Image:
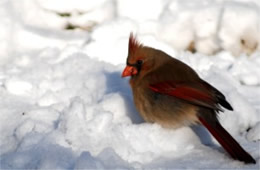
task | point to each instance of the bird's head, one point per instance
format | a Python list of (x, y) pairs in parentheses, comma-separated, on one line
[(140, 58)]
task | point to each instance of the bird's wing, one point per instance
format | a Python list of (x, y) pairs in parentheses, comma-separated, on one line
[(195, 94)]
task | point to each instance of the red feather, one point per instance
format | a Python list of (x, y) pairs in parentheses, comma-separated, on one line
[(133, 44), (227, 141), (185, 92)]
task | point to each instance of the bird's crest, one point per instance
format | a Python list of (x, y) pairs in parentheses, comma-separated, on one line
[(133, 44)]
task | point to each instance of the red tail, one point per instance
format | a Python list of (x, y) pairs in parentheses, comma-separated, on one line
[(228, 142)]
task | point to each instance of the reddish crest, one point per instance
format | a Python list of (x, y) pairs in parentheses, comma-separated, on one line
[(133, 44)]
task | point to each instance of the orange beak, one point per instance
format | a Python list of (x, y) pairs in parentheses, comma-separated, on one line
[(129, 71)]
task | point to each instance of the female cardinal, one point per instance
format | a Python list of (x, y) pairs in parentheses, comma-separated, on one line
[(171, 93)]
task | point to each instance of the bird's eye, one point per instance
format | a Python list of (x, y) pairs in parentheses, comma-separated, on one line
[(139, 62)]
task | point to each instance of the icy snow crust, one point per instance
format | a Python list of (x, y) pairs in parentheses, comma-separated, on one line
[(64, 105)]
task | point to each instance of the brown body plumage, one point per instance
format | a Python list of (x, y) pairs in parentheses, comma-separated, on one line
[(155, 107), (169, 92)]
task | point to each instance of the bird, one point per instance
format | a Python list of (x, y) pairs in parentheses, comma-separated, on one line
[(168, 92)]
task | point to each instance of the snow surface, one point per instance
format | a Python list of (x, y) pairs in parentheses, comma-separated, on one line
[(65, 106)]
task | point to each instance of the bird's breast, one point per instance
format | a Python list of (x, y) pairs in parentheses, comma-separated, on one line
[(168, 111)]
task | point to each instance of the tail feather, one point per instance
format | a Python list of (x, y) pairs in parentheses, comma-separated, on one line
[(228, 142)]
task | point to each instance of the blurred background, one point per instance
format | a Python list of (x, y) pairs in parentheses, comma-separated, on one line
[(204, 26)]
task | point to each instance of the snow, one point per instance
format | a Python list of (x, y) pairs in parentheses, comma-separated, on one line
[(64, 104), (135, 9)]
